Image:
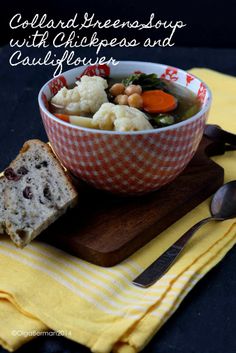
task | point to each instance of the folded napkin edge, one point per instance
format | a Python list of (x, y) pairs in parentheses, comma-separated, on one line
[(212, 262)]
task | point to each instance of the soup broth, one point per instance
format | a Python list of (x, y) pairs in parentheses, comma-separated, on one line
[(158, 102), (187, 103)]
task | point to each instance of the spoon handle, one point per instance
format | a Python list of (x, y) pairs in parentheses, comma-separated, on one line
[(158, 268)]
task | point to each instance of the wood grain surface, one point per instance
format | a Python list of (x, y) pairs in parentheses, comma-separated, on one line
[(105, 229)]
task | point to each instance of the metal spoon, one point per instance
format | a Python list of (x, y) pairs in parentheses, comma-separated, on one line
[(223, 206)]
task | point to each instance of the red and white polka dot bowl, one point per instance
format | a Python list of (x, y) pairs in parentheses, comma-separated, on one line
[(126, 162)]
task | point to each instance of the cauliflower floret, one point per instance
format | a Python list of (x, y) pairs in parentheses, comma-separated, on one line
[(105, 117), (121, 118), (92, 93), (97, 80), (84, 99), (66, 96)]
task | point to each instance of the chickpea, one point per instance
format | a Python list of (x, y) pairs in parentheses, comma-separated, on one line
[(121, 99), (133, 89), (135, 101), (116, 89)]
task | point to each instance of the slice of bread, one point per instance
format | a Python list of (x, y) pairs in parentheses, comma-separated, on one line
[(37, 192), (2, 207)]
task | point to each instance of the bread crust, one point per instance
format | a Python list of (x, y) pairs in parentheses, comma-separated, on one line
[(2, 206), (23, 239), (27, 145)]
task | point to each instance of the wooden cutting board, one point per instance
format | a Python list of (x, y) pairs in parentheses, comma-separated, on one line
[(105, 229)]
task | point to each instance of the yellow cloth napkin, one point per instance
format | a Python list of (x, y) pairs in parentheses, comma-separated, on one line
[(42, 287)]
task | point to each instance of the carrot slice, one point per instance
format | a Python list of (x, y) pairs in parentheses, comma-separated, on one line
[(63, 117), (157, 101)]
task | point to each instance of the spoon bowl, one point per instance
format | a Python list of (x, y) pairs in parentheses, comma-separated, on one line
[(223, 204)]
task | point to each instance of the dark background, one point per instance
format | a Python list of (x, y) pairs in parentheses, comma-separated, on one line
[(210, 23), (206, 320)]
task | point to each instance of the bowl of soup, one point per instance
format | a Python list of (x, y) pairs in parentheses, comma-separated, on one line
[(127, 129)]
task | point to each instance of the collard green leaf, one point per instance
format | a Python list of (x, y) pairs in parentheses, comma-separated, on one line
[(162, 120), (147, 82)]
